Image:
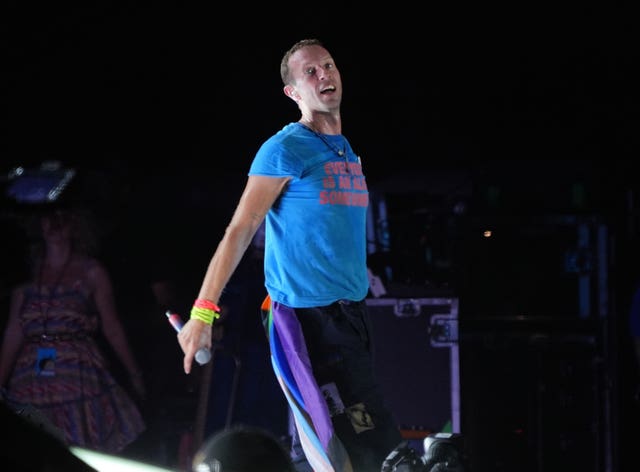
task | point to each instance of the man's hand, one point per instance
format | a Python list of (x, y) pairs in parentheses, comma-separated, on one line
[(194, 335)]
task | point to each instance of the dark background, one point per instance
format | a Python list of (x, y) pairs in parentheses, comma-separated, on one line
[(518, 118), (155, 83)]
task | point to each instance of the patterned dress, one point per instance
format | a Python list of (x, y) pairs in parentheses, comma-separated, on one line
[(64, 374)]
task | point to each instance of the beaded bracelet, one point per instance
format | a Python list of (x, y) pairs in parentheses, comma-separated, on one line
[(205, 310)]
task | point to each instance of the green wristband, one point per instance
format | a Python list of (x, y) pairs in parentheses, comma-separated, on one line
[(206, 315)]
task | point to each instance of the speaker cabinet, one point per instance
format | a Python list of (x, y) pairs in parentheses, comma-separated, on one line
[(416, 360), (532, 395)]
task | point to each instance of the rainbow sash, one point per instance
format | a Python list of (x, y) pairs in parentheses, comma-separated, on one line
[(322, 448)]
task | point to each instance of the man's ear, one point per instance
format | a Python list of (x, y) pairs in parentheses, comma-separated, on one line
[(290, 91)]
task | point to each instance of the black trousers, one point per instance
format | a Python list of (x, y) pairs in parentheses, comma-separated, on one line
[(338, 339)]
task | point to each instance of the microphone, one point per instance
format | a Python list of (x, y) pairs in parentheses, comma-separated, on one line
[(203, 355)]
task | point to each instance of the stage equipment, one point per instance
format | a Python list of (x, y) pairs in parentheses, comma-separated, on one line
[(39, 185), (416, 361), (443, 452)]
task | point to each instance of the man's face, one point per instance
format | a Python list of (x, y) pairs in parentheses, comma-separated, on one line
[(317, 82)]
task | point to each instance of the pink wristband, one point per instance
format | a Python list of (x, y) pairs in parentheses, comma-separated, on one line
[(207, 304)]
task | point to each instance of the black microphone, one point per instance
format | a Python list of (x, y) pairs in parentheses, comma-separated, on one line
[(203, 355)]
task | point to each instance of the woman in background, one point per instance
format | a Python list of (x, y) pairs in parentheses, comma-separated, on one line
[(51, 356)]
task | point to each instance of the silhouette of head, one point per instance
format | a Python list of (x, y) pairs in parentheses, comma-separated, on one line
[(242, 449)]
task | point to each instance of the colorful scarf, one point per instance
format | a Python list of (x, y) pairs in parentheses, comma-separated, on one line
[(323, 449)]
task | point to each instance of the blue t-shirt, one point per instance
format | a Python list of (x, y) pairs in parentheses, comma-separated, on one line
[(315, 233)]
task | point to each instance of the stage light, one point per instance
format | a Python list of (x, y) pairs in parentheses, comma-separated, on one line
[(443, 452), (44, 184), (110, 463)]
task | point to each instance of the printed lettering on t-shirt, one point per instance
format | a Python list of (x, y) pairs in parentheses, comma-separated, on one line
[(349, 180)]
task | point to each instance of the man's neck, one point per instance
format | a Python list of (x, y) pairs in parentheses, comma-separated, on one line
[(323, 122)]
